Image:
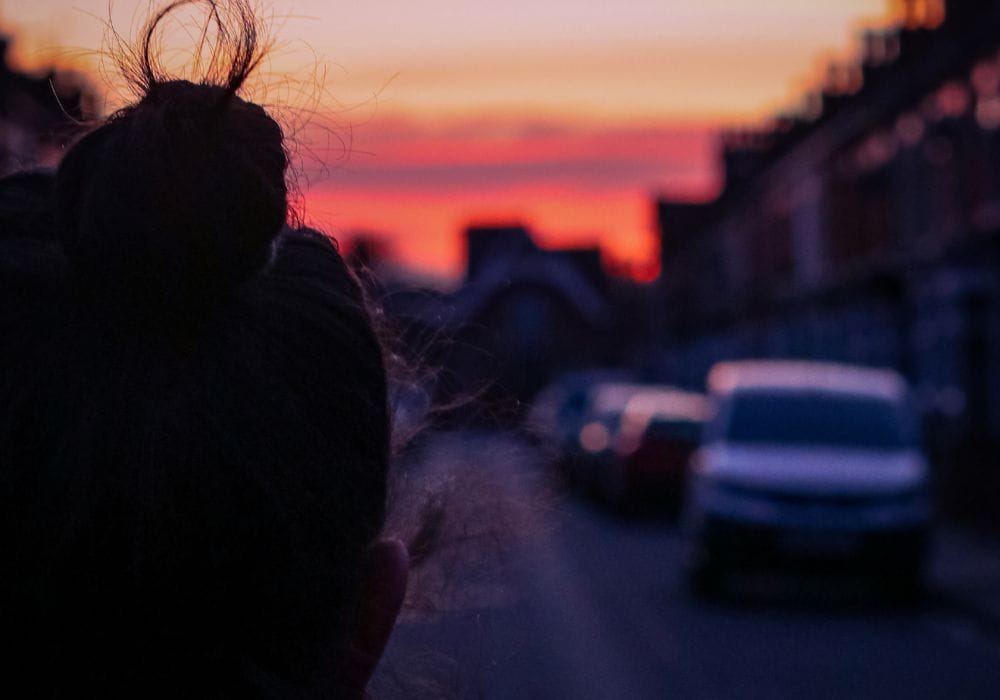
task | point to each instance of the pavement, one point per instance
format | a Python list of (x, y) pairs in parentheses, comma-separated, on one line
[(965, 572)]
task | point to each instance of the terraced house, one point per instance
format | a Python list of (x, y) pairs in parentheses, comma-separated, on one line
[(865, 227)]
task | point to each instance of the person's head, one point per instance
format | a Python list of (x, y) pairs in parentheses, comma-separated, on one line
[(194, 430)]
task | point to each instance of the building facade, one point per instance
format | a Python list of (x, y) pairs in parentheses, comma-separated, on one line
[(865, 229)]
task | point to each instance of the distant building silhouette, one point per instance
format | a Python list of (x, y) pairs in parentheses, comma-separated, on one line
[(485, 244), (521, 316), (39, 114), (865, 229)]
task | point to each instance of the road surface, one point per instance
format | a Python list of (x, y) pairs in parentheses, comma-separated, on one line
[(583, 604)]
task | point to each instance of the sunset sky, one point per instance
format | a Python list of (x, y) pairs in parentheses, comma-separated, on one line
[(413, 119)]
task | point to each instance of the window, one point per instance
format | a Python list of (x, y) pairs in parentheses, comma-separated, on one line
[(817, 418)]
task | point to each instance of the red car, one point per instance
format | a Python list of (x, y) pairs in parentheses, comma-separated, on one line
[(659, 429)]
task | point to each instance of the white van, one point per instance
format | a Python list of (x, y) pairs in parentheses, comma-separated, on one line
[(814, 465)]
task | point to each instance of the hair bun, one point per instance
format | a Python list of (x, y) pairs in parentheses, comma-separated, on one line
[(175, 200)]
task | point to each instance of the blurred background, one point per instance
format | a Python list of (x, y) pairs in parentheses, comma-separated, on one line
[(570, 212)]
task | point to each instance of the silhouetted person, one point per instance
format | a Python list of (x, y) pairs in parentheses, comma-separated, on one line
[(194, 430)]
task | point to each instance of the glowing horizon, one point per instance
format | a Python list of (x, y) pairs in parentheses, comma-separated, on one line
[(568, 184), (566, 116)]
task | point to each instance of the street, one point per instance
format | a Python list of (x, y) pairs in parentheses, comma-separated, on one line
[(588, 605)]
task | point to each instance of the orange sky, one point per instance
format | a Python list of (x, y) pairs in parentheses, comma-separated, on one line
[(566, 115), (574, 185)]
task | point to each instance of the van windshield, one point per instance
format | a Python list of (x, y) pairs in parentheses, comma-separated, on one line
[(820, 418)]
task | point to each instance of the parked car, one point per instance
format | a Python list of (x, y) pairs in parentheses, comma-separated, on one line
[(589, 451), (658, 430), (811, 465), (560, 409)]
